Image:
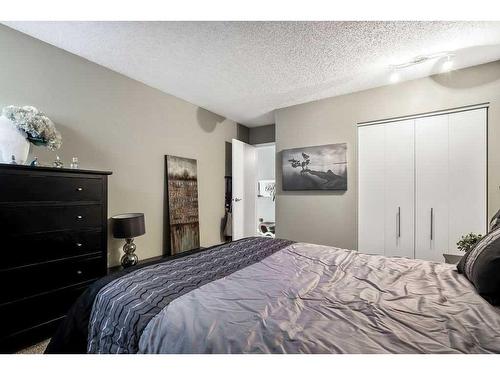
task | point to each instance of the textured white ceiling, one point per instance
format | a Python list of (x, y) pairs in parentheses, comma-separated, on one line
[(245, 70)]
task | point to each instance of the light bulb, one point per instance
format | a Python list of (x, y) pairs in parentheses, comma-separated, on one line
[(447, 65), (394, 77)]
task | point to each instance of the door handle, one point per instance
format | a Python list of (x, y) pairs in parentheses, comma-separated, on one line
[(399, 222), (237, 199), (432, 223)]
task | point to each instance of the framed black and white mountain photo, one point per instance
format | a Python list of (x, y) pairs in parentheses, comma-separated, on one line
[(315, 168)]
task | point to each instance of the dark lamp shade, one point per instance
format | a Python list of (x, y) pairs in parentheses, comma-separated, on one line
[(128, 225)]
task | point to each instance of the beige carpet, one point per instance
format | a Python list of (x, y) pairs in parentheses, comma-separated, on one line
[(35, 349)]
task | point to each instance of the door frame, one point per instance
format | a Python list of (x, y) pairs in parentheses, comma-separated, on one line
[(426, 114)]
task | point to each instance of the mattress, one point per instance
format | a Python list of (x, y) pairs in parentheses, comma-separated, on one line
[(263, 295)]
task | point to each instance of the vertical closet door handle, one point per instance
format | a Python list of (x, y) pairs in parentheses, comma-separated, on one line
[(432, 223), (399, 222)]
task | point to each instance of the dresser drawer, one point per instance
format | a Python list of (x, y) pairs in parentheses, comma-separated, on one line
[(35, 248), (31, 312), (40, 188), (28, 281), (34, 219)]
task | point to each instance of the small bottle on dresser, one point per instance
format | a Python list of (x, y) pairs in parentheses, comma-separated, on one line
[(74, 163)]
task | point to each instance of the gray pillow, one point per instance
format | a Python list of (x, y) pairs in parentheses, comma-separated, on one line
[(481, 265), (495, 221)]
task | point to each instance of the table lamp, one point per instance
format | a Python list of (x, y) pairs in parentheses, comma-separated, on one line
[(128, 226)]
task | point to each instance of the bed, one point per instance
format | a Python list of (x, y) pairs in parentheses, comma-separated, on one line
[(264, 295)]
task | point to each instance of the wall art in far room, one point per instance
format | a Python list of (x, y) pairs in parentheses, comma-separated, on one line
[(315, 168), (182, 229)]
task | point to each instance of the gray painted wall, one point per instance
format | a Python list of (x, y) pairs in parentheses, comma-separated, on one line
[(330, 218), (262, 134), (112, 122), (243, 133), (257, 135)]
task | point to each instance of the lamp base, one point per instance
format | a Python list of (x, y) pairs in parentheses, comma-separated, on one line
[(129, 258)]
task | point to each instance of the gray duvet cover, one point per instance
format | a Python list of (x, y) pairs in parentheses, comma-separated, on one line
[(304, 298)]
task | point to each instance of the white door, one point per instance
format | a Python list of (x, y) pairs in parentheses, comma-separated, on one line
[(371, 175), (432, 187), (422, 184), (467, 175), (244, 165), (399, 189)]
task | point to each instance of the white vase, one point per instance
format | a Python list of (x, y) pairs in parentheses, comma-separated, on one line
[(12, 142)]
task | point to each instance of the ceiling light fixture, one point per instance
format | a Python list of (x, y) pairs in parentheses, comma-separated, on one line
[(448, 64), (446, 67), (394, 78), (421, 59)]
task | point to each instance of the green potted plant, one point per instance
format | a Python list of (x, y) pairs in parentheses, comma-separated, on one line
[(468, 241), (465, 244)]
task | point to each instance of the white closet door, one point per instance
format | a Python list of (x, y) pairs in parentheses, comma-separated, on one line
[(432, 188), (399, 189), (371, 175), (467, 175)]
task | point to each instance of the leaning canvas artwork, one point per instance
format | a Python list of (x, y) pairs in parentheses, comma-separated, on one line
[(315, 168), (182, 226)]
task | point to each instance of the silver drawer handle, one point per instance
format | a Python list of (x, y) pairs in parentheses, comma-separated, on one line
[(79, 272), (79, 189), (79, 217), (78, 244)]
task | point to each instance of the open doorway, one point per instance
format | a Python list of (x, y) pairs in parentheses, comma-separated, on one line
[(253, 189), (266, 188)]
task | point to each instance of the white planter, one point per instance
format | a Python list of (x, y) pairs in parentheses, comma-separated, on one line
[(12, 142)]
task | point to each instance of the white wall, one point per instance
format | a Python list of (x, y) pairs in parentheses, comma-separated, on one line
[(114, 123), (265, 207)]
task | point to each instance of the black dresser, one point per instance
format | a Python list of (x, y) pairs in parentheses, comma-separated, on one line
[(53, 241)]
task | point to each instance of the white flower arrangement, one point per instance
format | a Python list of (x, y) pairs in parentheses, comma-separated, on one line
[(39, 129)]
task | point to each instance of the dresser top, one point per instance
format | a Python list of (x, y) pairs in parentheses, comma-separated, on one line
[(50, 169)]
